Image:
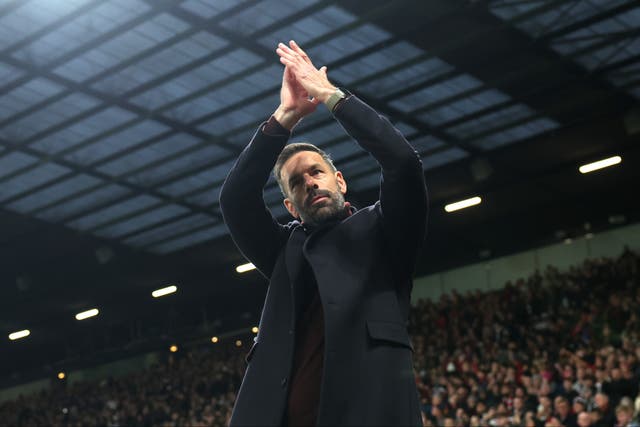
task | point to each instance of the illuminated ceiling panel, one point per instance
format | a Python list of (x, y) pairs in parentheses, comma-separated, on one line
[(24, 182), (82, 130), (432, 161), (31, 16), (113, 211), (149, 154), (145, 219), (599, 35), (263, 14), (9, 74), (27, 96), (220, 68), (122, 118), (209, 232), (226, 96), (107, 146), (149, 68), (177, 167), (348, 43), (309, 28), (172, 229), (209, 9), (62, 189), (436, 92), (122, 47), (48, 116), (82, 203), (198, 181), (105, 17)]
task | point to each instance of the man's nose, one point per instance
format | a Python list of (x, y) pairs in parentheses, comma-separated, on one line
[(310, 183)]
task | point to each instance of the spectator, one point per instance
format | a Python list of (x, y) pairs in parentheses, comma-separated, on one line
[(562, 412), (584, 419), (624, 416), (605, 413)]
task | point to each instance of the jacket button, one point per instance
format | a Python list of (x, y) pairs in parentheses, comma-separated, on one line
[(283, 382)]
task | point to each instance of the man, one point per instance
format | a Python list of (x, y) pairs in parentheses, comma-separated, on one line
[(603, 408), (563, 412), (624, 416), (584, 419), (333, 347)]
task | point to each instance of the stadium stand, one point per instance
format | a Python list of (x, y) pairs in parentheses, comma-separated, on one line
[(554, 349)]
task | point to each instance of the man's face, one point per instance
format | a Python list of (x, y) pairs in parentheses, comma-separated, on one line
[(584, 419), (623, 417), (517, 403), (601, 401), (315, 194), (561, 406)]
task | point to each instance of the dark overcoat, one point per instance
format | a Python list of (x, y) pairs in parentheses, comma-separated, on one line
[(363, 266)]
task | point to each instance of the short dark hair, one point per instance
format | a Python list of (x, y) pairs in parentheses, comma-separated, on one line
[(292, 149)]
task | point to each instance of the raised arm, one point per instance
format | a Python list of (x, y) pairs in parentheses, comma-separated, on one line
[(403, 193), (254, 230)]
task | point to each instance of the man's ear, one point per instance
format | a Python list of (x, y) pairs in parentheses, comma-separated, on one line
[(342, 184), (292, 209)]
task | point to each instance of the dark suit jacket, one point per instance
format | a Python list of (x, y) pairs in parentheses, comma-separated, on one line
[(363, 267)]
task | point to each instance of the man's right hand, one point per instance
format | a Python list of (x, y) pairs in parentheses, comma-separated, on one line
[(294, 101)]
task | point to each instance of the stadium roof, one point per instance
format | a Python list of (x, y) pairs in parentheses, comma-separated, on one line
[(119, 120)]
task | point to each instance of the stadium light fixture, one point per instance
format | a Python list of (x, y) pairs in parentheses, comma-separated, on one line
[(451, 207), (600, 164), (61, 375), (245, 267), (86, 314), (164, 291), (214, 339), (19, 334)]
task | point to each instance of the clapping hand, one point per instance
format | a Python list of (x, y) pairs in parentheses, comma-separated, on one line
[(313, 80), (294, 101), (303, 85)]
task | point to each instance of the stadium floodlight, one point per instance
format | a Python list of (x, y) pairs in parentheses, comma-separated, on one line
[(245, 267), (86, 314), (600, 164), (451, 207), (19, 334), (164, 291)]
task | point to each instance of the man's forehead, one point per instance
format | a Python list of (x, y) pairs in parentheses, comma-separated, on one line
[(300, 161)]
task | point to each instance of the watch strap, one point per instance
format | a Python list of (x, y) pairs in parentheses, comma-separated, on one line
[(335, 97)]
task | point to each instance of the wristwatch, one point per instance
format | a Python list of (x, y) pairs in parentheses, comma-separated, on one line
[(335, 97)]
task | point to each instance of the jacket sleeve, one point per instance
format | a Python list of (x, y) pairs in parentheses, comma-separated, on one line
[(253, 229), (403, 192)]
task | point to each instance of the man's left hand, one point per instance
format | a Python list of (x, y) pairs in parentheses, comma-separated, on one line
[(313, 80)]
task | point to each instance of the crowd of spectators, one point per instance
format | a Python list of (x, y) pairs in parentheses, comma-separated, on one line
[(189, 388), (555, 349)]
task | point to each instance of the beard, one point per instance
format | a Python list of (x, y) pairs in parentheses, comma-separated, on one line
[(330, 209)]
